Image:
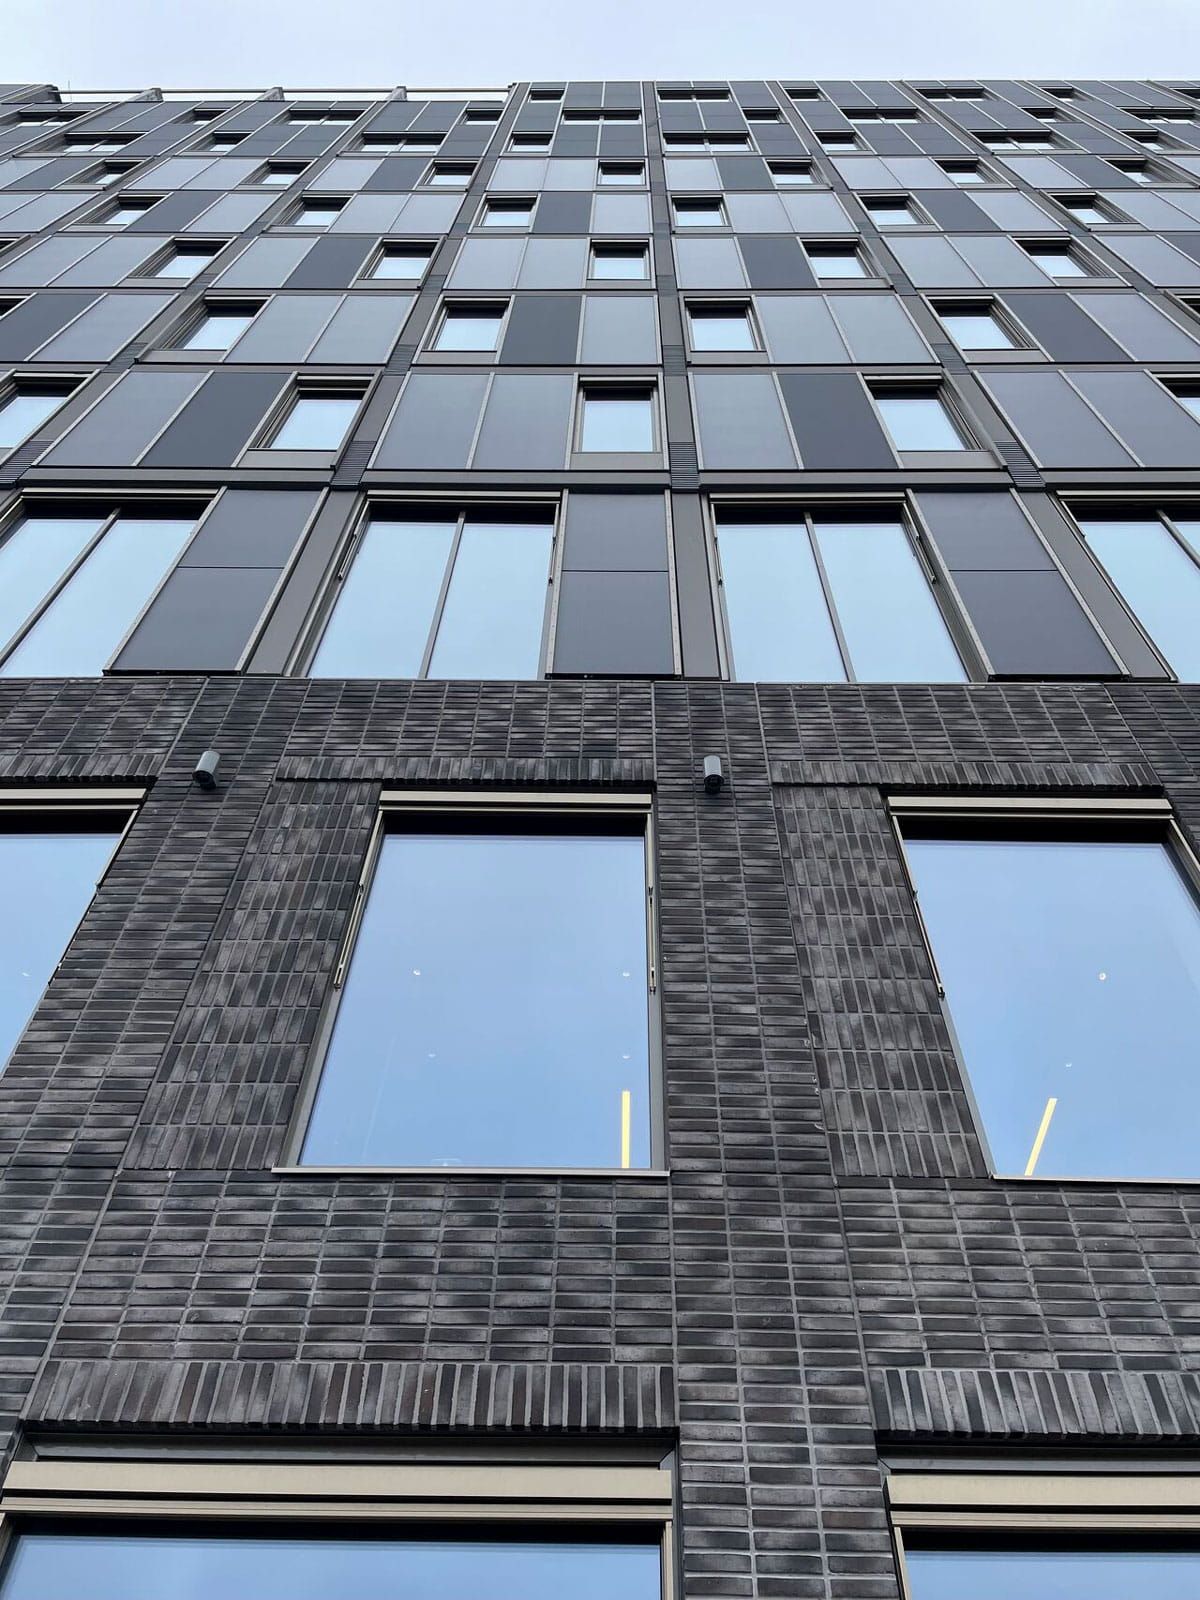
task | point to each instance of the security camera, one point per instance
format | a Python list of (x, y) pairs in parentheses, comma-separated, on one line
[(205, 773), (714, 778)]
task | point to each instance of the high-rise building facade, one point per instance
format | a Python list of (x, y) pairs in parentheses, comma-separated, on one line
[(600, 786)]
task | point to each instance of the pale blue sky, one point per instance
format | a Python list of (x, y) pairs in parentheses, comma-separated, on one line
[(301, 43)]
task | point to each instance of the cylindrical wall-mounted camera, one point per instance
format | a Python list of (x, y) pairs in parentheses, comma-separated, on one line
[(714, 777), (204, 775)]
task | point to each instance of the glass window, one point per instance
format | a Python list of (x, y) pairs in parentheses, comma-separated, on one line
[(619, 261), (111, 175), (469, 327), (976, 329), (123, 213), (699, 214), (838, 141), (892, 213), (316, 214), (279, 177), (1153, 561), (1139, 171), (369, 1563), (317, 422), (455, 597), (1051, 1570), (78, 625), (1085, 210), (1070, 958), (616, 419), (790, 174), (185, 261), (25, 409), (529, 141), (219, 327), (496, 1008), (620, 173), (820, 601), (449, 177), (964, 172), (918, 422), (49, 867), (507, 214), (1057, 260), (1189, 399), (407, 263), (717, 327), (831, 262)]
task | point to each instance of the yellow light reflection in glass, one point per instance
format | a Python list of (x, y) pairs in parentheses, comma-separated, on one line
[(626, 1125), (1043, 1130)]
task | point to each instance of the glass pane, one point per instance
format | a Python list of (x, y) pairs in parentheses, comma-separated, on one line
[(1083, 212), (837, 264), (917, 422), (1160, 582), (889, 618), (1191, 402), (33, 559), (83, 626), (184, 264), (1058, 263), (380, 625), (317, 422), (22, 413), (617, 422), (48, 881), (495, 1011), (507, 216), (218, 330), (364, 1566), (976, 330), (779, 627), (469, 330), (1053, 1574), (892, 216), (491, 624), (315, 216), (397, 264), (965, 175), (1072, 970), (697, 214), (618, 264), (721, 330)]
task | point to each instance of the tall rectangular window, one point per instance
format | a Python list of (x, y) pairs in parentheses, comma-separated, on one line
[(1154, 561), (50, 863), (1069, 951), (823, 599), (917, 419), (445, 596), (495, 1010), (186, 261), (1088, 1568), (219, 327), (616, 419), (316, 421), (72, 586), (406, 262), (27, 406)]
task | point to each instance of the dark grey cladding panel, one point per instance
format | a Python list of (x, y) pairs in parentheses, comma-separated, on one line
[(397, 174), (614, 623), (435, 421), (743, 172), (1160, 431), (1063, 329), (1031, 625), (621, 140), (125, 419), (834, 422), (982, 531), (537, 116), (65, 169), (252, 528), (889, 139), (1189, 243), (575, 142), (542, 330), (778, 139), (35, 320), (201, 620), (775, 261), (694, 588), (563, 212), (217, 424), (956, 212), (333, 262), (1091, 169), (1058, 427), (615, 532), (935, 140), (174, 211)]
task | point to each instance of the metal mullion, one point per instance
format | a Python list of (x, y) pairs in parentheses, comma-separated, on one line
[(53, 593), (558, 545), (443, 594), (827, 591), (1169, 523)]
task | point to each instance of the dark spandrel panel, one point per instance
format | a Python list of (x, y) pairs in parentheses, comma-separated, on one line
[(51, 878), (1032, 626), (776, 262), (542, 330), (1059, 429), (1064, 331), (834, 422), (616, 532), (200, 621), (435, 422), (362, 1566), (331, 263), (1072, 972), (495, 1011), (251, 528), (37, 319), (563, 212), (616, 624), (218, 422), (982, 532)]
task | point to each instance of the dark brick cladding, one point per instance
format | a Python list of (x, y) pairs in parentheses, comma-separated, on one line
[(825, 1231)]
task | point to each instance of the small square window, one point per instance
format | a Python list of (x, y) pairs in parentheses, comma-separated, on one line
[(529, 141), (791, 174), (699, 214), (506, 214), (964, 172), (222, 143), (126, 211), (1084, 208), (974, 326), (316, 421), (447, 177), (281, 175), (482, 114), (421, 143), (917, 421), (721, 327), (617, 420), (619, 261), (1058, 260), (316, 214), (765, 115), (403, 262), (891, 213), (1139, 171), (110, 175), (26, 406), (545, 94), (219, 327), (186, 260), (834, 261), (838, 141), (620, 174), (474, 326)]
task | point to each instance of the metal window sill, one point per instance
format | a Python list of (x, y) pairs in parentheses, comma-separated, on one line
[(657, 1174)]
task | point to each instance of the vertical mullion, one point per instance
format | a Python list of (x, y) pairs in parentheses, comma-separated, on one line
[(439, 608), (827, 592)]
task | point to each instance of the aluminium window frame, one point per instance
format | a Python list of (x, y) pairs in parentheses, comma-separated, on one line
[(1056, 1499), (389, 243), (455, 305), (1153, 815), (615, 245), (947, 398), (463, 507), (261, 450), (209, 304), (500, 201), (587, 384), (731, 304), (1024, 348), (897, 506), (310, 201), (24, 380), (523, 804)]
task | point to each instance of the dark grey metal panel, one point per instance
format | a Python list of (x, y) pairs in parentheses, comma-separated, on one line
[(1032, 626), (396, 174), (173, 211), (1060, 430), (542, 330), (1147, 418), (526, 422), (201, 620), (252, 528), (743, 172), (982, 532), (615, 532), (35, 320), (834, 422), (562, 211), (614, 623), (105, 327), (218, 423), (774, 261), (435, 422), (124, 421), (332, 263), (694, 589), (1063, 330), (955, 212)]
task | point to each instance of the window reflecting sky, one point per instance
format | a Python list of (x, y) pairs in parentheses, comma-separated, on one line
[(1072, 972), (495, 1010), (1015, 1574)]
